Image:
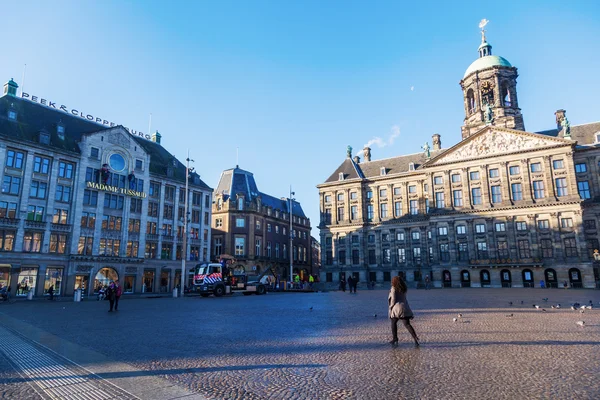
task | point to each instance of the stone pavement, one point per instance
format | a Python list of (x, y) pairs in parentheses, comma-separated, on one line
[(275, 347)]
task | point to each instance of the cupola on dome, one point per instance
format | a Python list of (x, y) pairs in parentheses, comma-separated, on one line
[(486, 59)]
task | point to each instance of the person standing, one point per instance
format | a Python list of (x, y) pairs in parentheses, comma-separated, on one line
[(342, 284), (399, 310), (350, 283), (118, 293), (51, 292), (427, 282), (110, 295), (355, 283)]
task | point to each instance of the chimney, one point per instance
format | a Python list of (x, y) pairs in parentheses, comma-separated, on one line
[(367, 154), (156, 137), (437, 141), (357, 159), (560, 115)]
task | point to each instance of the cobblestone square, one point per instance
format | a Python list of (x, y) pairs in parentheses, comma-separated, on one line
[(276, 347)]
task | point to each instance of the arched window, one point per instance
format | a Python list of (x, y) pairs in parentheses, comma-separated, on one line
[(484, 275), (506, 100), (505, 278), (471, 105), (240, 203), (465, 278), (527, 278)]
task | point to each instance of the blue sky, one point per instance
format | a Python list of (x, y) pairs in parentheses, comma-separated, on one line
[(293, 83)]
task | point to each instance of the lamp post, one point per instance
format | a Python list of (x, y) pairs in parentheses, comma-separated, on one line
[(291, 237), (188, 171)]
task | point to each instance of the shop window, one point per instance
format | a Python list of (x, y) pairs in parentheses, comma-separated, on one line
[(27, 280), (5, 276), (104, 277), (53, 280), (148, 285)]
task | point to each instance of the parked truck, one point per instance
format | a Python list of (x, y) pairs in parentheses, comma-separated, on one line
[(209, 278)]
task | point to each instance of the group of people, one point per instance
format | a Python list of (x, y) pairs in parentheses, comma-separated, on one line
[(352, 283), (111, 292), (304, 283)]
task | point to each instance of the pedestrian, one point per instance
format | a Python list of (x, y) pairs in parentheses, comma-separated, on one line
[(342, 284), (110, 295), (350, 283), (118, 293), (311, 280), (399, 310), (51, 292), (355, 283), (426, 282), (565, 284)]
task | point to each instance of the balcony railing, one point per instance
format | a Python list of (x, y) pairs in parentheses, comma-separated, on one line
[(35, 224), (168, 238), (60, 227), (152, 237), (11, 222)]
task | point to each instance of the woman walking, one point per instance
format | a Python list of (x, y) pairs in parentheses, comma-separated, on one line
[(399, 310)]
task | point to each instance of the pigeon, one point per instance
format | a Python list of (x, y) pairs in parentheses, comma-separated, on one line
[(508, 315), (581, 311), (581, 323), (573, 308), (591, 302), (536, 306), (521, 301), (552, 307), (588, 308), (510, 303), (558, 305), (310, 308), (582, 307), (459, 315), (374, 315), (454, 319), (543, 309), (576, 305), (545, 299)]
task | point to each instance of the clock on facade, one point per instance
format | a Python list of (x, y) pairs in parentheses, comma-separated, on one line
[(486, 86)]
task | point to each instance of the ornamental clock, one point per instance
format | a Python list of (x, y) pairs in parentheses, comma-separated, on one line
[(486, 86)]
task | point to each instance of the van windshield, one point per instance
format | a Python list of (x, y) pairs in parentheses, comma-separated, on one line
[(203, 270)]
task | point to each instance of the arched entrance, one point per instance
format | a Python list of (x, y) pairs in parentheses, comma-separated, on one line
[(505, 278), (551, 280), (447, 279), (575, 278), (465, 278), (484, 275), (528, 278), (104, 276)]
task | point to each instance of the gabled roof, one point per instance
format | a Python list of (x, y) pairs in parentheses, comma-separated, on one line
[(396, 165), (349, 168), (583, 134), (33, 118)]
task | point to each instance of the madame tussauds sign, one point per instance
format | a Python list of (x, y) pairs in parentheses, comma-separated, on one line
[(116, 190), (80, 114)]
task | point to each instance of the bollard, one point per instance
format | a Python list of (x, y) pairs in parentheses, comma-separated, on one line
[(175, 293), (30, 294)]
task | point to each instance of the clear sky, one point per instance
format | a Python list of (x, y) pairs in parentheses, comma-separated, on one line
[(292, 83)]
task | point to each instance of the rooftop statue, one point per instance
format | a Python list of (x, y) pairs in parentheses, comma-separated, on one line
[(566, 125), (349, 151), (426, 151)]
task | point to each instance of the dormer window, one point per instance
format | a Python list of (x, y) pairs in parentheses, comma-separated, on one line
[(12, 115), (382, 171), (597, 135), (411, 166), (341, 176), (60, 131), (44, 137)]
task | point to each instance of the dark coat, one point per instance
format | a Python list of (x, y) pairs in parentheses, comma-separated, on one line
[(398, 305)]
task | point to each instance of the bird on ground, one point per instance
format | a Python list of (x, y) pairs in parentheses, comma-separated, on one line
[(536, 306), (558, 305), (454, 319), (581, 323), (573, 308), (459, 315), (591, 302), (588, 307), (311, 309), (374, 315), (509, 315), (545, 299), (576, 304), (581, 311), (582, 307), (521, 301), (552, 307), (510, 303), (543, 309)]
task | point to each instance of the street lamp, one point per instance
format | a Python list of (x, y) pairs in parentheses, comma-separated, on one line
[(188, 171), (291, 236)]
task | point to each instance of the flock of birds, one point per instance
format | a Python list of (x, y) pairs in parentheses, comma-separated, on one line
[(575, 306)]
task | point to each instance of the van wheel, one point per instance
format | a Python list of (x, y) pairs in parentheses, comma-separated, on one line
[(261, 290), (219, 291)]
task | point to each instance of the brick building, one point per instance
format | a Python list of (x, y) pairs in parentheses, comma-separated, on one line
[(254, 227), (503, 207)]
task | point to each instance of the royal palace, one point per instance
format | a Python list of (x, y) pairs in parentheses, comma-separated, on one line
[(504, 207)]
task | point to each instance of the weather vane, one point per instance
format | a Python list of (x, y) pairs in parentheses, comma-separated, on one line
[(482, 25)]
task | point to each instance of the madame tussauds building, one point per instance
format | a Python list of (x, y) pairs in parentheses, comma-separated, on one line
[(85, 201)]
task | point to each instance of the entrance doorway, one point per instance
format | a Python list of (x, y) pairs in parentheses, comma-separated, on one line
[(484, 275), (528, 278), (575, 278), (103, 278), (447, 279), (27, 280), (465, 278), (551, 280), (505, 278)]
